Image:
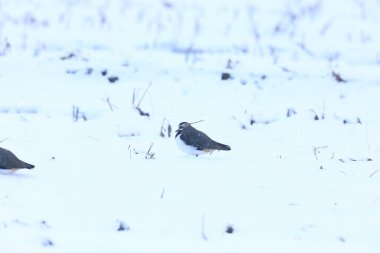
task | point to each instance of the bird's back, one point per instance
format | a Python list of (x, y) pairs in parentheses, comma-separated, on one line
[(201, 140), (8, 160)]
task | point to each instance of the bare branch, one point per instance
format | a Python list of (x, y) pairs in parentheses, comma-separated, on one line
[(373, 173), (316, 150), (142, 97), (163, 192), (110, 105), (149, 154)]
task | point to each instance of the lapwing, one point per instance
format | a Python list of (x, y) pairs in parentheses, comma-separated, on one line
[(194, 142), (9, 161)]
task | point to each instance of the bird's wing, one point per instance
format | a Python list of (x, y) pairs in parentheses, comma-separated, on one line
[(198, 139)]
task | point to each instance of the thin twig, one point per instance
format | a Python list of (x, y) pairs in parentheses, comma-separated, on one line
[(373, 173), (366, 135), (203, 228), (163, 192), (315, 149), (107, 100), (149, 155), (130, 152), (133, 96), (142, 97)]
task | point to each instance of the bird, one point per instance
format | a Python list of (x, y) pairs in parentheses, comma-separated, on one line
[(195, 142), (9, 161)]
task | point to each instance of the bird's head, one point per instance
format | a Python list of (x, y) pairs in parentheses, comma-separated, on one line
[(183, 125)]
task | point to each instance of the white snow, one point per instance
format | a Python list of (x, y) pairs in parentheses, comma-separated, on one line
[(289, 184)]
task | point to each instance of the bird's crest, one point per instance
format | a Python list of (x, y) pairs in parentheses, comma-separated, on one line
[(183, 125)]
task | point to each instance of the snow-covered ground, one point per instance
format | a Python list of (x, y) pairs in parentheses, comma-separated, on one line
[(300, 112)]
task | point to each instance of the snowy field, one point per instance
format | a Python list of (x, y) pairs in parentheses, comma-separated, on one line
[(92, 92)]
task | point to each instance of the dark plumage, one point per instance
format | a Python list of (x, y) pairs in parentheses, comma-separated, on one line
[(195, 142), (9, 161)]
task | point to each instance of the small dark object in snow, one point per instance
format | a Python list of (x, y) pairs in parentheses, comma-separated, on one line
[(47, 243), (338, 77), (321, 167), (230, 229), (347, 121), (263, 77), (89, 71), (53, 157), (104, 72), (44, 224), (168, 4), (122, 227), (226, 76), (243, 82), (341, 239), (69, 56), (316, 117), (113, 79), (71, 71), (142, 113), (290, 112), (229, 64), (169, 130)]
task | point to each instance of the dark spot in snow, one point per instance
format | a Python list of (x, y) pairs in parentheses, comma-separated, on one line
[(316, 117), (122, 226), (321, 167), (69, 56), (142, 113), (290, 112), (113, 79), (226, 76), (89, 71), (229, 64), (104, 72), (169, 130), (230, 229), (243, 81), (341, 239), (47, 243), (71, 71), (338, 77), (168, 4), (44, 224), (347, 121), (263, 77)]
